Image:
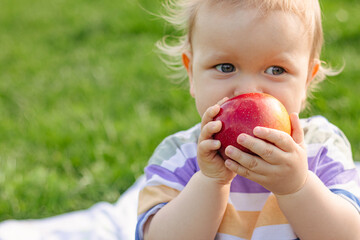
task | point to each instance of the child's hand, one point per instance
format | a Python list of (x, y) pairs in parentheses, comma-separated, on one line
[(210, 162), (281, 165)]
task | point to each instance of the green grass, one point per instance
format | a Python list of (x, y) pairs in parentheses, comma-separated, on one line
[(338, 97), (84, 100)]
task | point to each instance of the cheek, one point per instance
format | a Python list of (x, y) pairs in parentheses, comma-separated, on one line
[(295, 97), (303, 90), (201, 110), (294, 102), (207, 98), (202, 103)]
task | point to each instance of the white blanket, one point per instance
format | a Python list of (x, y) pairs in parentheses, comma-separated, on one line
[(103, 221)]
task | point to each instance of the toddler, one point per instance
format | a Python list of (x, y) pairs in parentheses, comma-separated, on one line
[(303, 186)]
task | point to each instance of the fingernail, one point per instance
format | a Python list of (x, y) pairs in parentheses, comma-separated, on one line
[(215, 125), (241, 138), (256, 130), (228, 163), (229, 150)]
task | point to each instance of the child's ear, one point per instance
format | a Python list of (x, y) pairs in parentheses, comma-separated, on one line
[(187, 62), (313, 70)]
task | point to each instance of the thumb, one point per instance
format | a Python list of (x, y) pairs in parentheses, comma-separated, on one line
[(296, 130)]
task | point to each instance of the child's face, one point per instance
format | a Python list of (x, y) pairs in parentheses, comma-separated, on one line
[(234, 52)]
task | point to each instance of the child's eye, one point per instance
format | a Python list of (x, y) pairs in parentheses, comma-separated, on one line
[(225, 67), (275, 70)]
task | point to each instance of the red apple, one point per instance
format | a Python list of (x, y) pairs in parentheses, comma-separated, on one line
[(243, 113)]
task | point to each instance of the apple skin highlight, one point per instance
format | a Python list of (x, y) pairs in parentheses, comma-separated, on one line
[(243, 113)]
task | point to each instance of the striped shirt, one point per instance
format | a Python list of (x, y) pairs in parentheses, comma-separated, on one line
[(252, 211)]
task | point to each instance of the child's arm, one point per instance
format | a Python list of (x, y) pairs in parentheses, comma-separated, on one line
[(313, 211), (197, 211)]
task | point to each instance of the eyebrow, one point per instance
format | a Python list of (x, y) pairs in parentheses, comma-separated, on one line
[(283, 58)]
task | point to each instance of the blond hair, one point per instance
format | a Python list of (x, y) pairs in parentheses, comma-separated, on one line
[(181, 14)]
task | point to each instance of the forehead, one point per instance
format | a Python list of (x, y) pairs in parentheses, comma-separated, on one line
[(240, 33), (226, 19), (263, 8)]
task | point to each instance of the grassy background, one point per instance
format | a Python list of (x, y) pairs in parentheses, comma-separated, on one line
[(84, 100)]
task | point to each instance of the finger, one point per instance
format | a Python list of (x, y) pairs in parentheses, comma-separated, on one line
[(222, 101), (251, 162), (296, 129), (267, 151), (243, 171), (207, 147), (209, 114), (209, 130), (279, 138)]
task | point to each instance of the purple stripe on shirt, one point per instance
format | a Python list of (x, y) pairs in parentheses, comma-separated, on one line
[(330, 172), (244, 185), (181, 175), (345, 177)]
